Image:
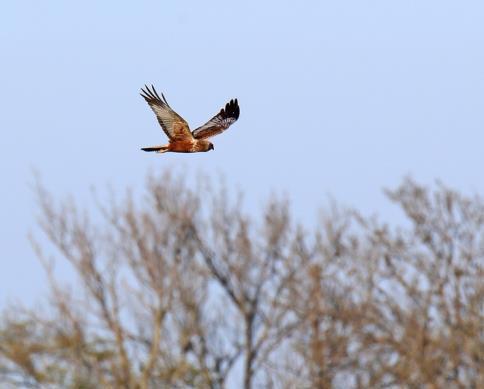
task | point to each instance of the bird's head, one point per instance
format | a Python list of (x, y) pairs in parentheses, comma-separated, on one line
[(210, 147)]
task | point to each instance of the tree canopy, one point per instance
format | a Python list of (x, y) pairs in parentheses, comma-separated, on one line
[(183, 288)]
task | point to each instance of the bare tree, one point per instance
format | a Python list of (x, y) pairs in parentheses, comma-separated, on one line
[(398, 307), (182, 288)]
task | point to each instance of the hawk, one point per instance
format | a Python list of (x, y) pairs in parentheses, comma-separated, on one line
[(181, 140)]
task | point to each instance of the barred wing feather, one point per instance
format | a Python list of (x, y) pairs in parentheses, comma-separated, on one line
[(174, 126), (220, 122)]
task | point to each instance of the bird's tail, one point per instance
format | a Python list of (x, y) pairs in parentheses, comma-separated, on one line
[(158, 149)]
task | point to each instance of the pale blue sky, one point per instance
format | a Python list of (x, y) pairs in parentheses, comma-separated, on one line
[(337, 97)]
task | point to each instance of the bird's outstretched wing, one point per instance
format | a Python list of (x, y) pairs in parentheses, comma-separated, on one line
[(175, 127), (220, 122)]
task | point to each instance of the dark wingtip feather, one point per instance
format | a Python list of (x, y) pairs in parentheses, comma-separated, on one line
[(236, 108), (164, 99), (155, 92), (151, 94), (231, 109), (146, 93)]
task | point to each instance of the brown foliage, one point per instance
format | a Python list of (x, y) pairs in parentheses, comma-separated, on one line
[(184, 289)]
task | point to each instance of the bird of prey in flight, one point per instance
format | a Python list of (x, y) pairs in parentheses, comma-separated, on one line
[(181, 140)]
